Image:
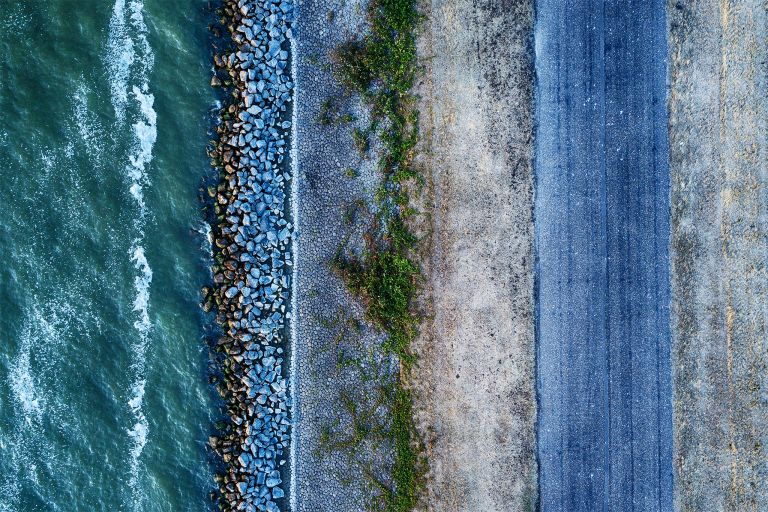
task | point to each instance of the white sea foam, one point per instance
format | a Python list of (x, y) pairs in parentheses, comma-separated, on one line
[(206, 237), (87, 125), (33, 378), (119, 58), (44, 330), (29, 403), (23, 387), (142, 282), (130, 61), (140, 33), (138, 434), (145, 133)]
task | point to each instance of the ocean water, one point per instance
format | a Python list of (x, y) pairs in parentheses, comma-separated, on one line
[(104, 398)]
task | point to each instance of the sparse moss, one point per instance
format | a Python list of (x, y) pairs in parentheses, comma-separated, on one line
[(327, 112), (330, 113), (362, 142), (313, 59), (349, 214)]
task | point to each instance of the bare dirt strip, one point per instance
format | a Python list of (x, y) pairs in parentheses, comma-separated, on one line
[(718, 111), (475, 376)]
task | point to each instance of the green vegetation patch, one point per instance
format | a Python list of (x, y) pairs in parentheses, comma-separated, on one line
[(386, 281), (385, 59), (382, 67), (409, 462)]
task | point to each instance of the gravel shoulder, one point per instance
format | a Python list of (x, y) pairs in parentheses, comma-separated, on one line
[(326, 315), (474, 384), (719, 179)]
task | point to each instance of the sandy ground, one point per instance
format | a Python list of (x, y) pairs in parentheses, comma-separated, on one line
[(475, 379), (719, 179)]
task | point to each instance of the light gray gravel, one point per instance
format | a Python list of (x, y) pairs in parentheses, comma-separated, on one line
[(327, 480)]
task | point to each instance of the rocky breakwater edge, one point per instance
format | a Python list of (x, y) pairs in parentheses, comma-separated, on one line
[(252, 261)]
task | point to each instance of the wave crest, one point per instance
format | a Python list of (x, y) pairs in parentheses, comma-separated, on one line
[(130, 61)]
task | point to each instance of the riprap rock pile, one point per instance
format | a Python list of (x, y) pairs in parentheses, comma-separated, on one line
[(252, 256)]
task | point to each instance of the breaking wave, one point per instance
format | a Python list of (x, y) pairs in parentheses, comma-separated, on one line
[(119, 58), (129, 62), (34, 375)]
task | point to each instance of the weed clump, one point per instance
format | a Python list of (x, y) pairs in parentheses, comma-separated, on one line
[(362, 141), (330, 114), (382, 67)]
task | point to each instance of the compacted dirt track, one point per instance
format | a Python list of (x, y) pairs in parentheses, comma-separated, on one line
[(474, 381), (719, 176)]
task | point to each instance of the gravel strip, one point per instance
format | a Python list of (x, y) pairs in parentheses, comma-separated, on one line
[(328, 479)]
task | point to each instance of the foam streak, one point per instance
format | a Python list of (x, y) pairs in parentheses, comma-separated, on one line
[(130, 61)]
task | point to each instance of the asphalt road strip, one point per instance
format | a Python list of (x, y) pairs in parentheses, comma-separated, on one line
[(602, 274)]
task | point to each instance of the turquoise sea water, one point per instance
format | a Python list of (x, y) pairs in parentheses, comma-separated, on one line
[(104, 399)]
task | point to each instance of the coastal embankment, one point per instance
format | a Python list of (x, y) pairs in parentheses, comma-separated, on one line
[(252, 252), (417, 281)]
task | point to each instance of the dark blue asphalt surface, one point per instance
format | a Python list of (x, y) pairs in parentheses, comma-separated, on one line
[(602, 231)]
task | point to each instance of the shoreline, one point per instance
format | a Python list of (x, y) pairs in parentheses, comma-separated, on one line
[(252, 252)]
